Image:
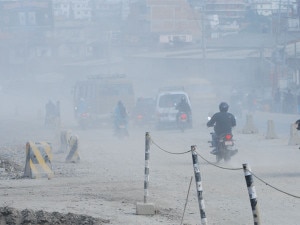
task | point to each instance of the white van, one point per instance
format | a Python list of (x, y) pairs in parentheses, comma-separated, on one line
[(166, 111)]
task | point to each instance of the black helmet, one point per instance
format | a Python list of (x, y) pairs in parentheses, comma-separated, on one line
[(223, 107)]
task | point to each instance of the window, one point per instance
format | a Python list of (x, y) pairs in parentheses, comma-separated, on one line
[(169, 100)]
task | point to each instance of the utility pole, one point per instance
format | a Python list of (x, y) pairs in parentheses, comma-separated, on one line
[(203, 26)]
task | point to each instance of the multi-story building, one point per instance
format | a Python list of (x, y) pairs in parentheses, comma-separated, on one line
[(271, 7), (174, 19), (226, 9), (72, 9)]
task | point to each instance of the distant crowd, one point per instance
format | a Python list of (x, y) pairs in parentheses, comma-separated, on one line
[(52, 116), (286, 102), (281, 101)]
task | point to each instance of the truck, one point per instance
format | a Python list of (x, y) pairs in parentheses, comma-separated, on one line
[(94, 98)]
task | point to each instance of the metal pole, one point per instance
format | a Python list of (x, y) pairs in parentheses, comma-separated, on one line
[(186, 201), (198, 185), (147, 156), (203, 25), (252, 194)]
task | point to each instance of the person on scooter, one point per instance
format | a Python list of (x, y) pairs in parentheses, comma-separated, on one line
[(223, 122), (184, 107), (120, 115)]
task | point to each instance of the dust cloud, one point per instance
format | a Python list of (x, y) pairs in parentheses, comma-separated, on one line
[(38, 64)]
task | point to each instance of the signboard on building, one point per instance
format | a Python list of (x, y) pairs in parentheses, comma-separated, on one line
[(107, 10), (30, 14)]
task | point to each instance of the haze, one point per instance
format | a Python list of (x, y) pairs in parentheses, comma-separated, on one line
[(46, 48)]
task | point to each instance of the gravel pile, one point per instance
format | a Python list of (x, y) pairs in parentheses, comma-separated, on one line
[(12, 161), (10, 216)]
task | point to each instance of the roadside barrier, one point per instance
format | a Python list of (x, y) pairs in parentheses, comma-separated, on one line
[(73, 145), (38, 160), (64, 140), (271, 130), (248, 177), (198, 185), (252, 194), (249, 127), (294, 135), (146, 208)]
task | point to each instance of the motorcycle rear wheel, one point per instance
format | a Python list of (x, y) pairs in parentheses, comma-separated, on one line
[(218, 157), (227, 156)]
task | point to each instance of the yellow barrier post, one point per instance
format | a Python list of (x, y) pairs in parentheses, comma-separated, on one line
[(73, 155), (38, 160)]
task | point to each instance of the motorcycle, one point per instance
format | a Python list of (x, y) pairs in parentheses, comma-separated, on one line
[(84, 120), (224, 145), (121, 129), (182, 121)]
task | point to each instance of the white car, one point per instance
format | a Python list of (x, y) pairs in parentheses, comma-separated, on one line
[(166, 111)]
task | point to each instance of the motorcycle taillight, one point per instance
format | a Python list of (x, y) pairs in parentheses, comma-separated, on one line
[(228, 136), (85, 115), (183, 116)]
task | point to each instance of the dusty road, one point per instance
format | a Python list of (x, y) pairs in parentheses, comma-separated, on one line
[(109, 179)]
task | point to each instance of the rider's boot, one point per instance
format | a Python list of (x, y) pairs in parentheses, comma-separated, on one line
[(214, 151)]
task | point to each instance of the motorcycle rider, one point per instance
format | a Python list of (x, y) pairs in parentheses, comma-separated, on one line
[(120, 115), (184, 107), (50, 113), (82, 107), (297, 123), (223, 122)]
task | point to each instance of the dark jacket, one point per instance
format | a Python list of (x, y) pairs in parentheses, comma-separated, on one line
[(183, 106), (297, 124), (222, 122)]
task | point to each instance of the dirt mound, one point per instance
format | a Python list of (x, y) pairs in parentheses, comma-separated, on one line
[(10, 216), (10, 169), (11, 161)]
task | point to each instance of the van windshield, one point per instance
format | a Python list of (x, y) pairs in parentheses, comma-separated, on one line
[(169, 100)]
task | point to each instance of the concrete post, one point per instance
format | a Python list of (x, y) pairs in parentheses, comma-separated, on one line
[(252, 194), (73, 155), (294, 135), (271, 134), (198, 185), (249, 127)]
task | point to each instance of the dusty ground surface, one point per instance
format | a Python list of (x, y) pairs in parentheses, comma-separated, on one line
[(109, 180)]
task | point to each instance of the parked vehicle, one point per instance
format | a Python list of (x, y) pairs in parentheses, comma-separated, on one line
[(143, 113)]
